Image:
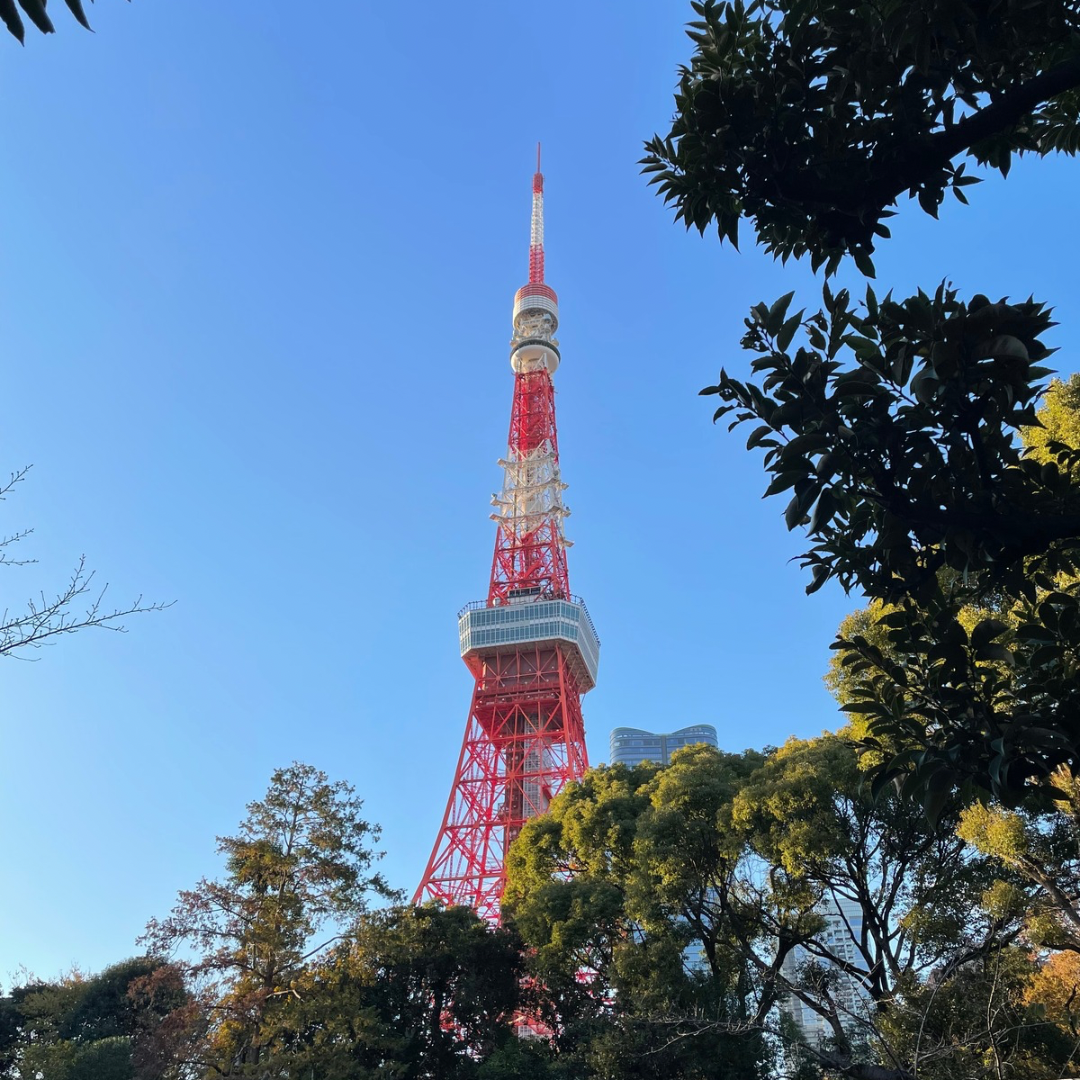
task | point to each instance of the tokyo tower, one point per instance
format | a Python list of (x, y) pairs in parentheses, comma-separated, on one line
[(531, 645)]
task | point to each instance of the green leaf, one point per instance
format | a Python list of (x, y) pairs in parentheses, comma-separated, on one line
[(76, 9), (787, 331), (986, 631), (757, 435), (10, 15), (794, 514), (823, 510), (819, 574), (993, 651), (782, 482), (864, 263), (774, 319), (35, 12)]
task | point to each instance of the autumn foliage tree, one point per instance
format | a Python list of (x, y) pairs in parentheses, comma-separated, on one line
[(298, 872)]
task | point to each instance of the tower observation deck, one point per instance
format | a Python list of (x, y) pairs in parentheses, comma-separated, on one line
[(530, 645)]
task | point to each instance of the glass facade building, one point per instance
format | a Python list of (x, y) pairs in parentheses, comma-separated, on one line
[(632, 746), (841, 935)]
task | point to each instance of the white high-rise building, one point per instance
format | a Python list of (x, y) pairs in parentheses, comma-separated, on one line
[(842, 930)]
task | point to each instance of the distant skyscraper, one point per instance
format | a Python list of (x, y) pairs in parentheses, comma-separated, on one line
[(632, 746), (841, 934)]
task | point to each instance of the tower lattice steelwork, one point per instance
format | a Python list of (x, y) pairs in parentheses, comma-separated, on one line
[(530, 645)]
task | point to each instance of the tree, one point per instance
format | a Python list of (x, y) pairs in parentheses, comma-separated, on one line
[(52, 616), (726, 890), (1042, 847), (300, 861), (1055, 990), (35, 12), (99, 1027), (893, 425), (414, 993), (812, 117), (618, 992)]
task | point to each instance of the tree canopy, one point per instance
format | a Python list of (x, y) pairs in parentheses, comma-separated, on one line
[(716, 900), (892, 425), (812, 117), (108, 1026), (301, 859)]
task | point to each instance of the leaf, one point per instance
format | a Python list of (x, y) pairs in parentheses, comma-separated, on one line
[(76, 9), (757, 435), (774, 319), (787, 331), (819, 574), (794, 514), (35, 11), (880, 783), (823, 510), (986, 631), (10, 14), (782, 482), (993, 651), (864, 263)]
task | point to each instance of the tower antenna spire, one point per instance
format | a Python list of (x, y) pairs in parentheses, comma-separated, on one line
[(536, 238)]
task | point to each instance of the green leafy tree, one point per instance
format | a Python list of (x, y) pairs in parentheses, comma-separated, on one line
[(298, 872), (100, 1027), (621, 992), (414, 993), (892, 426), (1041, 847), (812, 117), (895, 429), (875, 639), (713, 885)]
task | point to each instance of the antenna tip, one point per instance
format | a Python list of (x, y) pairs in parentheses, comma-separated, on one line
[(537, 157)]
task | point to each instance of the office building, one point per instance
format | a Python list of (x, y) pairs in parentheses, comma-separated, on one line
[(632, 746)]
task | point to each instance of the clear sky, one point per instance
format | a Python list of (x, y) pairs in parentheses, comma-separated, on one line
[(256, 270)]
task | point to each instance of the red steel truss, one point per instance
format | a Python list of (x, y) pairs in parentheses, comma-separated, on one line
[(530, 646), (524, 740)]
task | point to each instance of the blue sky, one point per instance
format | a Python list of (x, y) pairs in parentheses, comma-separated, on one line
[(256, 271)]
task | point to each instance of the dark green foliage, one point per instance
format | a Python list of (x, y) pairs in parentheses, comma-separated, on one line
[(414, 993), (811, 117), (35, 12), (893, 427), (920, 972), (103, 1027)]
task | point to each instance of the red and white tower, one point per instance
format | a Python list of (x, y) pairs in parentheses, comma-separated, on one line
[(530, 645)]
